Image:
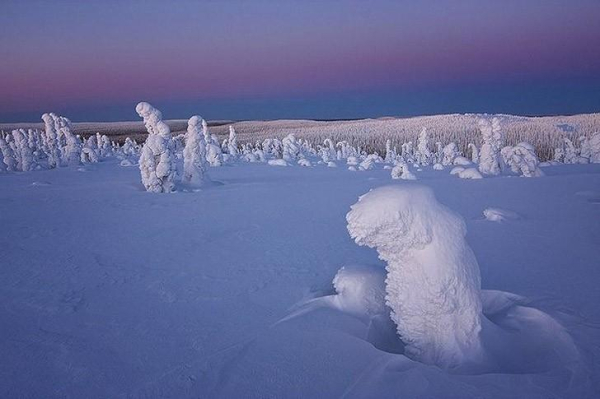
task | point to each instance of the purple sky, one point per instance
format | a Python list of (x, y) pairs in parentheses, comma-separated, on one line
[(306, 58)]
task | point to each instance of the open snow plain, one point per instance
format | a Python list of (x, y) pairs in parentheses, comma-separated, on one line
[(109, 291)]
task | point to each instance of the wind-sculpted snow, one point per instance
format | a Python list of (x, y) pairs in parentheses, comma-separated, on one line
[(433, 278)]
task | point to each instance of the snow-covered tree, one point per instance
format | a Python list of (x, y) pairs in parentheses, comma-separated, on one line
[(8, 154), (157, 160), (570, 151), (71, 150), (195, 170), (449, 153), (408, 152), (232, 145), (214, 155), (423, 155), (51, 146), (493, 141), (390, 153), (585, 150), (474, 153), (433, 281), (522, 159), (328, 152), (90, 152), (402, 171), (595, 148), (23, 153), (291, 148)]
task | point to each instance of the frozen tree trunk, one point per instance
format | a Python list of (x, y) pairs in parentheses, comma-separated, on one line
[(433, 281), (194, 153)]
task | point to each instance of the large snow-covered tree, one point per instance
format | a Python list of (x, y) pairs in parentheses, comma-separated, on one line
[(195, 169), (433, 282), (493, 141), (423, 155), (157, 160)]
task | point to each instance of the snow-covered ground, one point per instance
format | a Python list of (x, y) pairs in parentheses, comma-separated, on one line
[(109, 291)]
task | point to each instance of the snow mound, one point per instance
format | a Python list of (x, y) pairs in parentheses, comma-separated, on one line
[(331, 164), (456, 170), (360, 290), (499, 215), (278, 162), (401, 171), (461, 161), (438, 166), (470, 173), (304, 162)]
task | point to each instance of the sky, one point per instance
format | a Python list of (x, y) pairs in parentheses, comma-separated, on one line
[(319, 59)]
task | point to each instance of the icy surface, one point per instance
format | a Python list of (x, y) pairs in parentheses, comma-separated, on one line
[(109, 291)]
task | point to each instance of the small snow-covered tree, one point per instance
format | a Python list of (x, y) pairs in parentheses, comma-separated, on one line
[(449, 153), (423, 155), (194, 153), (291, 148), (23, 153), (585, 149), (570, 151), (8, 154), (433, 282), (232, 145), (489, 155), (328, 152), (402, 171), (522, 159), (214, 155), (90, 152), (595, 148), (157, 160), (390, 153), (51, 146), (71, 151), (474, 153), (408, 152)]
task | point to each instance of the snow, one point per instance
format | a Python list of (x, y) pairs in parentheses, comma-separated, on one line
[(470, 173), (110, 291), (499, 215), (433, 277)]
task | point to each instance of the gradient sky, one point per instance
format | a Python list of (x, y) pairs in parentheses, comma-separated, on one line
[(263, 59)]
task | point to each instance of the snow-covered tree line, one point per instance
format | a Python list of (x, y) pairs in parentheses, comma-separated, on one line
[(166, 159), (54, 146), (371, 135)]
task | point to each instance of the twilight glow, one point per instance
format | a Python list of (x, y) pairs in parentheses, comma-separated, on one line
[(258, 59)]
